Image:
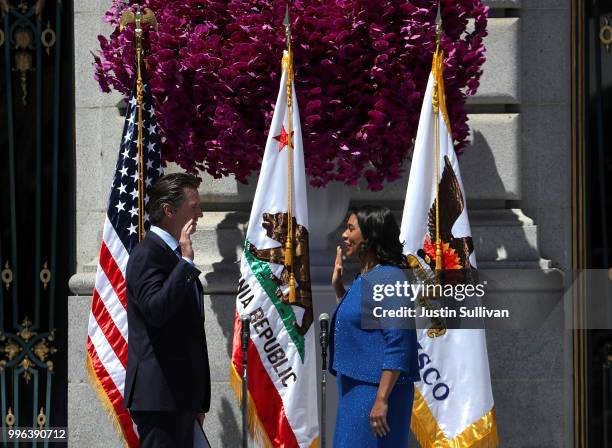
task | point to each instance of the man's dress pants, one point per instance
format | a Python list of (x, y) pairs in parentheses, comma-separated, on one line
[(159, 429)]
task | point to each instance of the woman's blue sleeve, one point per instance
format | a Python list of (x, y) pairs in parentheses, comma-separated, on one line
[(399, 345)]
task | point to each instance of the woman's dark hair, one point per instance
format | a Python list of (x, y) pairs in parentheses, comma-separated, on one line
[(381, 233)]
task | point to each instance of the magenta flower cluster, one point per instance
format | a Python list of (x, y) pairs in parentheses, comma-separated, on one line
[(361, 67)]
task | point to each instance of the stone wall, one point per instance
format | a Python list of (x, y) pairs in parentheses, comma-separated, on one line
[(516, 174)]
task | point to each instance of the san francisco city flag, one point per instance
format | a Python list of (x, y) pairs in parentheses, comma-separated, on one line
[(282, 390), (453, 405)]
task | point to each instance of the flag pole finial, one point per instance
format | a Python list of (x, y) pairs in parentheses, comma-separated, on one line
[(287, 24), (439, 22)]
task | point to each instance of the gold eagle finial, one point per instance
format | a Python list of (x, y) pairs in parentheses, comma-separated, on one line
[(128, 17)]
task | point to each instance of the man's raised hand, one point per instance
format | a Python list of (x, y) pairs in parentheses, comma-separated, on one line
[(185, 241)]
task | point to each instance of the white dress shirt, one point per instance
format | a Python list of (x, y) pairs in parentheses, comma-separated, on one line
[(168, 239)]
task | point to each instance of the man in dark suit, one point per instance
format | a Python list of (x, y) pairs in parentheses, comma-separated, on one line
[(167, 384)]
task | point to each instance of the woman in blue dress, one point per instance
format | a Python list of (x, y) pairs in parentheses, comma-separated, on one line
[(375, 368)]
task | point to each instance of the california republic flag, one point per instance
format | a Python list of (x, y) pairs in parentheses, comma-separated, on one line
[(453, 404), (282, 390)]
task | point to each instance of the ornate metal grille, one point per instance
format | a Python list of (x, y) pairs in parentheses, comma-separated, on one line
[(36, 210)]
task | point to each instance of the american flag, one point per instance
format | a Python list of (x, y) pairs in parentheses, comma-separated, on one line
[(107, 335)]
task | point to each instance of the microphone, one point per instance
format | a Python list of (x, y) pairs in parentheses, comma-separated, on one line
[(324, 337), (324, 340), (245, 332), (245, 335)]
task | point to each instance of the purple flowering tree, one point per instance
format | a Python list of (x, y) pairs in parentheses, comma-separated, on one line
[(361, 71)]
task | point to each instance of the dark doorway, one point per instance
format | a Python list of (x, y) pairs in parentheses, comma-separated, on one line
[(598, 193), (37, 209)]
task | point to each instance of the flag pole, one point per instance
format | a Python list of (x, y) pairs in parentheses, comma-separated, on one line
[(138, 19), (438, 57), (289, 87), (141, 195)]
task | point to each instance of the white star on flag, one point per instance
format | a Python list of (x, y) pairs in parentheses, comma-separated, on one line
[(120, 206), (132, 229), (128, 137), (122, 188)]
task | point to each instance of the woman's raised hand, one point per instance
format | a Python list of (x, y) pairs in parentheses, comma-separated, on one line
[(337, 275)]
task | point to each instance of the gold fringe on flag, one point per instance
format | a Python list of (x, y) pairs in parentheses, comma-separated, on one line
[(256, 428), (104, 400), (480, 434)]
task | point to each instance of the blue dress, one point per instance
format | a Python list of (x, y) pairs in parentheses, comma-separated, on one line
[(357, 358)]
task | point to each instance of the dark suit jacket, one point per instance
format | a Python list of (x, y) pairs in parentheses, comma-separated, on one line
[(167, 367)]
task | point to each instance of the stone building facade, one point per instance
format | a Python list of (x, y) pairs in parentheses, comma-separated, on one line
[(516, 173)]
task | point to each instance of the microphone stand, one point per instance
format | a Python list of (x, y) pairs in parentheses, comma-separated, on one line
[(323, 339), (245, 336)]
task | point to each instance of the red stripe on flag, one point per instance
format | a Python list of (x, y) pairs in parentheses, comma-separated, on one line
[(113, 273), (114, 396), (111, 333), (267, 400)]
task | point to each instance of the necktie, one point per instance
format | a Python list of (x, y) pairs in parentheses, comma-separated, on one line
[(178, 252)]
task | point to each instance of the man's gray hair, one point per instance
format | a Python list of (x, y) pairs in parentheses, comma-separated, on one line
[(169, 189)]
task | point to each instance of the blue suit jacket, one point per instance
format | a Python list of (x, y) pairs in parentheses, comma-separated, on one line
[(363, 354)]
